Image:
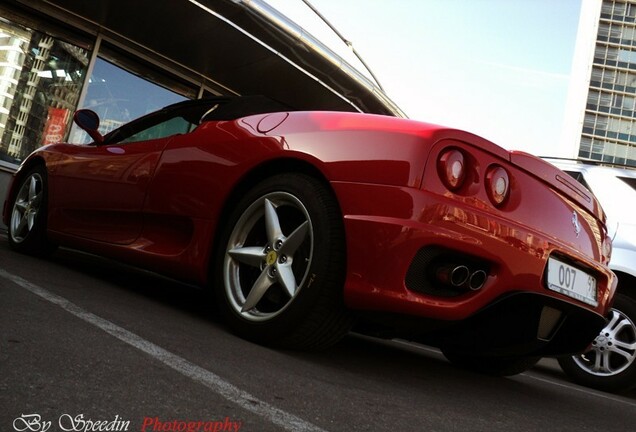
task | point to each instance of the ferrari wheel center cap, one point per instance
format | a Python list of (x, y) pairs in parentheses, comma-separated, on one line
[(271, 258)]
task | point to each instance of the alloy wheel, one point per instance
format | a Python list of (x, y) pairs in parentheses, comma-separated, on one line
[(268, 256), (613, 350), (26, 208)]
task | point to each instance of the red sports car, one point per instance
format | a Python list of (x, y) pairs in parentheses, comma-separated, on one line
[(307, 224)]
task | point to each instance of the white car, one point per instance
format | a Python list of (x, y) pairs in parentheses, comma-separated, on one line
[(610, 364)]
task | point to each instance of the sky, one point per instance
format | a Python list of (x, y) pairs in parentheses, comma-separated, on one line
[(497, 68)]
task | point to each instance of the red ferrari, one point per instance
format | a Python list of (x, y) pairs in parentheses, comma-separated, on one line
[(308, 224)]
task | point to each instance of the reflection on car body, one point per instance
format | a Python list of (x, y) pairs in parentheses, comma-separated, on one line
[(307, 224)]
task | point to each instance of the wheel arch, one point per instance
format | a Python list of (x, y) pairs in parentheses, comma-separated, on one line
[(626, 284), (251, 179)]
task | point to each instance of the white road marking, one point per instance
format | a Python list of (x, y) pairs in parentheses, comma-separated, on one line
[(209, 379)]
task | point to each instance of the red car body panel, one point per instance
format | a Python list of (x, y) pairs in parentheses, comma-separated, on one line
[(158, 204)]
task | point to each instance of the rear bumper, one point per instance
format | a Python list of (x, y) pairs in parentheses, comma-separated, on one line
[(524, 324), (383, 250)]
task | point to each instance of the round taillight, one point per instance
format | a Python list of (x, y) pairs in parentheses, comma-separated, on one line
[(497, 185), (452, 168)]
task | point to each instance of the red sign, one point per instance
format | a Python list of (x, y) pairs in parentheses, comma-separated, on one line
[(55, 126)]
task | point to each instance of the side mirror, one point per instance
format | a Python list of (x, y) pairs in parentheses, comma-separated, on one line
[(89, 121)]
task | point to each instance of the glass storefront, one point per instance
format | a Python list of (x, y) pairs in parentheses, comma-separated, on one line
[(42, 81)]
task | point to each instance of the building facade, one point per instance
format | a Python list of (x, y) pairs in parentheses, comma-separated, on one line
[(601, 113)]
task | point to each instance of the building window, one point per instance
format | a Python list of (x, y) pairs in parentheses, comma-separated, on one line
[(605, 100), (619, 10), (40, 82), (626, 56)]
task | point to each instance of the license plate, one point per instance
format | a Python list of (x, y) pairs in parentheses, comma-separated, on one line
[(571, 281)]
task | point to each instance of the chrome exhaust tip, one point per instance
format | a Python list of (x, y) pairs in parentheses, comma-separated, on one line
[(477, 280), (455, 275)]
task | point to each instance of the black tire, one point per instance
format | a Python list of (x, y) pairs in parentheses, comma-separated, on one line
[(283, 244), (490, 365), (28, 218), (610, 364)]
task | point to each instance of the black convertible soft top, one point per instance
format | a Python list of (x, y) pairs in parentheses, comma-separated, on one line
[(200, 110), (231, 108)]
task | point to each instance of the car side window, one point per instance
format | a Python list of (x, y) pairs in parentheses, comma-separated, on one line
[(173, 126)]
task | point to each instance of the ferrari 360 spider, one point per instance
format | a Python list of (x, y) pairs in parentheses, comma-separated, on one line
[(308, 224)]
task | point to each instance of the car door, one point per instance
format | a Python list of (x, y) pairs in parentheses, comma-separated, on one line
[(97, 192)]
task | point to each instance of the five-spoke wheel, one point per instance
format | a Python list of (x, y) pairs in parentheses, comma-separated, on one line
[(264, 268), (281, 264), (27, 223), (26, 207)]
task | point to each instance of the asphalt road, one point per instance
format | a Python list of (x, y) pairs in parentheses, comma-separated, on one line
[(88, 344)]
